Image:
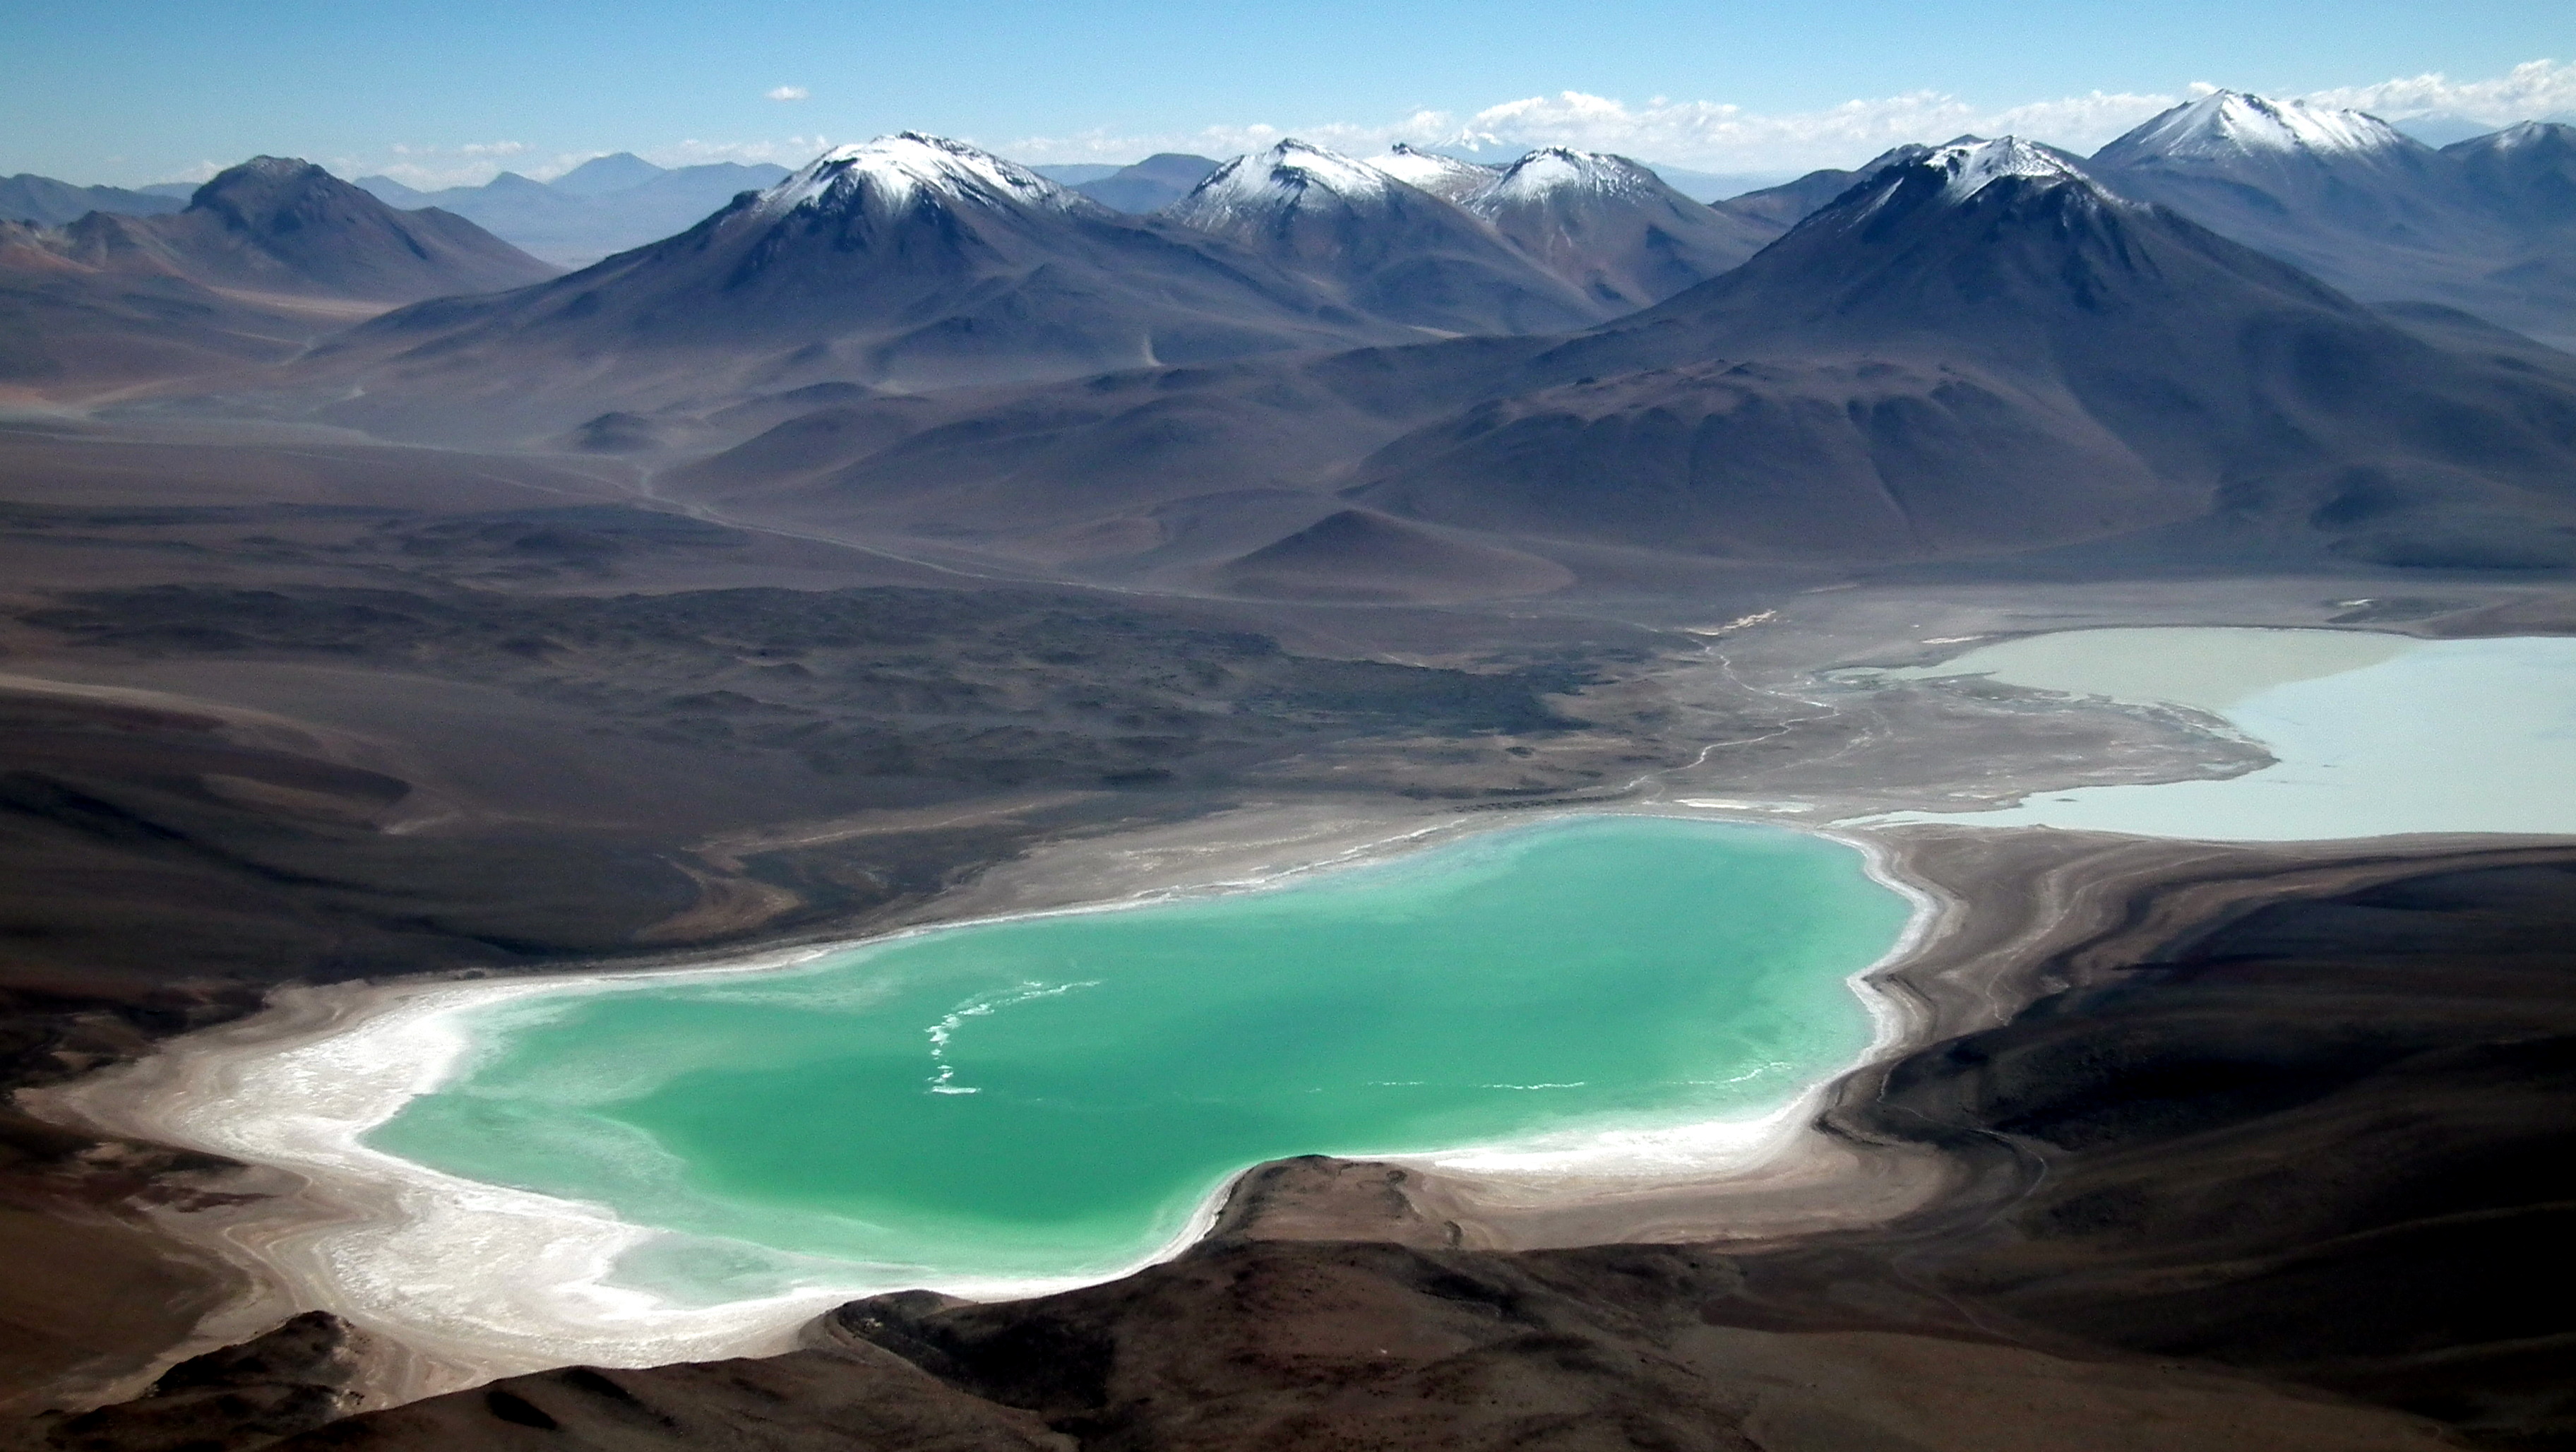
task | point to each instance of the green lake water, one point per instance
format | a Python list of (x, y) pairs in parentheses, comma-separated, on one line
[(1054, 1096)]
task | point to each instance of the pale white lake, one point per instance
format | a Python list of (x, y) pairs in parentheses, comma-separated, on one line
[(2372, 735)]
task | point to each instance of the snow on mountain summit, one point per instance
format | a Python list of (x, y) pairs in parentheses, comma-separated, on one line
[(892, 171), (1389, 248), (2526, 133), (1286, 178), (2228, 125), (1974, 166), (1958, 176), (1442, 176), (1610, 226), (1552, 169)]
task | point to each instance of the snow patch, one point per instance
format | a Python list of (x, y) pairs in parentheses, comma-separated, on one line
[(1442, 176), (1973, 168), (1288, 177), (892, 171), (2224, 125), (2522, 134), (1555, 170)]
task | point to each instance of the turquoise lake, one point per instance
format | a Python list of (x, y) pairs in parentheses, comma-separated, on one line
[(1055, 1096)]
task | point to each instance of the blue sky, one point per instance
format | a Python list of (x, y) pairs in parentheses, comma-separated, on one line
[(137, 92)]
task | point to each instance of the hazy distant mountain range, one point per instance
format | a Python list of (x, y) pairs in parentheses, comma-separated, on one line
[(1148, 186), (49, 203), (1610, 226), (611, 203), (2363, 204), (258, 261), (607, 204)]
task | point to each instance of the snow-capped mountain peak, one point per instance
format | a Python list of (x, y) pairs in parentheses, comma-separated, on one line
[(2228, 125), (892, 171), (1952, 176), (1554, 169), (1442, 176), (1283, 178), (1972, 167), (2524, 134)]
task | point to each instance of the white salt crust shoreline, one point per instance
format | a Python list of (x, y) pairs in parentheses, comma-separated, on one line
[(475, 1281)]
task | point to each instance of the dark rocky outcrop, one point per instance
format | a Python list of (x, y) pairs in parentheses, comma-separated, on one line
[(299, 1376)]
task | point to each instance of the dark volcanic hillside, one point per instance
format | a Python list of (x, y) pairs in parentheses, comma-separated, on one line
[(276, 225), (1983, 352), (911, 261), (1777, 209)]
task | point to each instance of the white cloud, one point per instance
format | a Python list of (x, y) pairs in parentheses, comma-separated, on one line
[(2529, 91), (787, 93), (1712, 135), (1719, 136), (1708, 135), (791, 151)]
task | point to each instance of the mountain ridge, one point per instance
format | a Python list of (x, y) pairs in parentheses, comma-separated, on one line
[(606, 205), (1981, 312), (1389, 248), (907, 262), (45, 202), (2354, 200), (276, 224), (1611, 226)]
